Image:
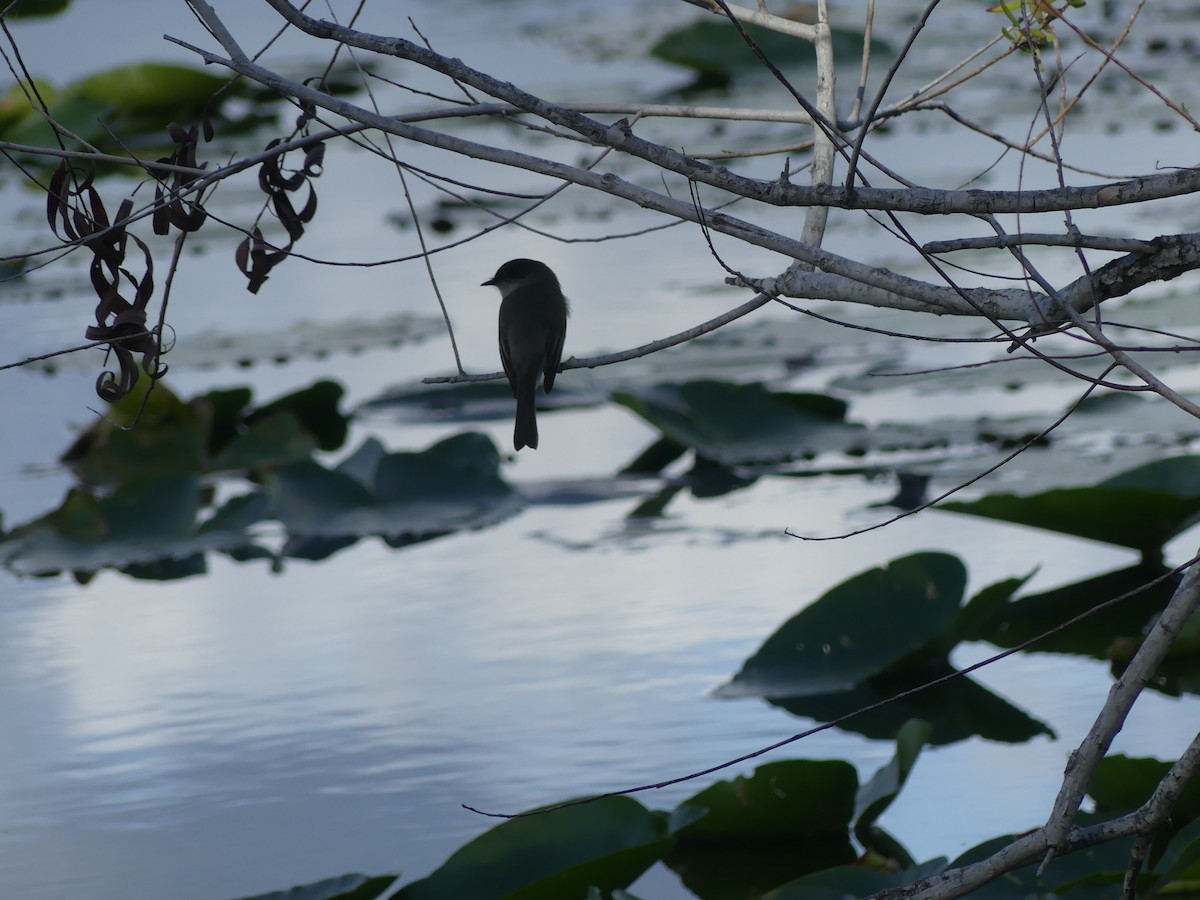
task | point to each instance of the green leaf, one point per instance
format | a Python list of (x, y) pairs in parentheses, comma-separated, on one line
[(787, 801), (740, 423), (877, 794), (1180, 862), (1100, 633), (29, 9), (715, 48), (213, 432), (957, 709), (169, 436), (1123, 783), (980, 613), (316, 407), (732, 871), (265, 442), (845, 882), (452, 485), (1091, 873), (147, 528), (150, 88), (554, 855), (856, 630), (1142, 508), (344, 887)]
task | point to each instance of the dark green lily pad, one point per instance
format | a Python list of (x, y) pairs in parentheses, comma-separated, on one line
[(453, 485), (136, 99), (344, 887), (785, 801), (957, 709), (1142, 508), (875, 636), (1008, 623), (214, 432), (1091, 873), (877, 793), (1180, 862), (31, 9), (1123, 783), (740, 423), (842, 882), (713, 48), (856, 630), (555, 855), (478, 401), (149, 528), (759, 831)]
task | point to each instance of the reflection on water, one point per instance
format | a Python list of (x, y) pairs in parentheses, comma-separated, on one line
[(243, 732)]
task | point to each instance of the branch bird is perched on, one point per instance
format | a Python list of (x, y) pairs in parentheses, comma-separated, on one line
[(533, 326)]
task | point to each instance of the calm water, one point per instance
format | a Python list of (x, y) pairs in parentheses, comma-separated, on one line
[(244, 731)]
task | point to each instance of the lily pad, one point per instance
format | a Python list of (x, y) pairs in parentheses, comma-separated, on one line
[(403, 497), (877, 635), (1011, 622), (785, 801), (759, 831), (856, 630), (1142, 508), (842, 882), (877, 793), (214, 432), (715, 50), (30, 9), (957, 708), (556, 855), (344, 887), (478, 401), (740, 423), (149, 527)]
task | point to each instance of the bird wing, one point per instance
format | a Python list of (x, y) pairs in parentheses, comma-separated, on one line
[(506, 360), (554, 349)]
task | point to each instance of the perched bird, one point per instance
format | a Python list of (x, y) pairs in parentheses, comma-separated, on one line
[(533, 326)]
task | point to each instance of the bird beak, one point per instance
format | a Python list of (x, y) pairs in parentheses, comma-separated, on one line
[(491, 282)]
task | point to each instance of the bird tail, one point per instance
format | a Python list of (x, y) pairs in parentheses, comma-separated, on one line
[(525, 433)]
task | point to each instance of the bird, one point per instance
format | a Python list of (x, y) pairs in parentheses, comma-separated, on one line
[(533, 326)]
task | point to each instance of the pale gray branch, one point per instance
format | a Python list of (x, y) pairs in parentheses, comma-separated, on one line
[(999, 241), (1083, 761), (926, 201), (765, 19)]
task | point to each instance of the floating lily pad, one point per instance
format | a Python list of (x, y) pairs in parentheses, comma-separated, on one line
[(1142, 508), (958, 708), (759, 831), (1090, 873), (30, 9), (715, 50), (841, 882), (344, 887), (879, 634), (876, 795), (214, 432), (738, 423), (149, 527), (478, 401), (1123, 783), (136, 99), (1008, 623), (552, 856), (856, 630), (403, 497)]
